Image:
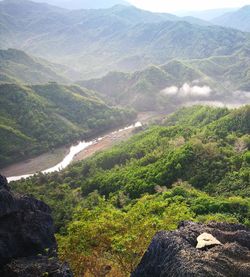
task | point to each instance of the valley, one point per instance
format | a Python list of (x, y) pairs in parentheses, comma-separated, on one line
[(62, 157), (194, 166), (39, 118), (117, 123)]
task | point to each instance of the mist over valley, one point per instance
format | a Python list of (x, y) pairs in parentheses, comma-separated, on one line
[(117, 123)]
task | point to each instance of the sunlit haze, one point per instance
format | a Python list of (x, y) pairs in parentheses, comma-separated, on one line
[(183, 5)]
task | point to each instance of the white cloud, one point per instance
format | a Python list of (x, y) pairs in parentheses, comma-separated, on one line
[(170, 90), (188, 91)]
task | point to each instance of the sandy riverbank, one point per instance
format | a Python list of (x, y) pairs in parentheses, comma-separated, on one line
[(50, 159)]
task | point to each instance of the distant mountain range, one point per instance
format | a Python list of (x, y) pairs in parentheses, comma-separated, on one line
[(239, 19), (93, 41), (207, 15), (84, 4), (121, 38)]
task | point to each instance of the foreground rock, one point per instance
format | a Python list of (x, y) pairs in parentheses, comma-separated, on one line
[(175, 253), (27, 242)]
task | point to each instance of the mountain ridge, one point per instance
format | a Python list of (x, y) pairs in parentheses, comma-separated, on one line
[(151, 87), (239, 19), (82, 43)]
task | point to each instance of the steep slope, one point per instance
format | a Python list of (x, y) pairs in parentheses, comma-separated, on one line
[(120, 47), (142, 89), (239, 19), (120, 38), (118, 199), (35, 119), (231, 72), (221, 78), (15, 65), (188, 147)]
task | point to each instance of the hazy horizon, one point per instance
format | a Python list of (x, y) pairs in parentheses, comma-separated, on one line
[(178, 6), (191, 5)]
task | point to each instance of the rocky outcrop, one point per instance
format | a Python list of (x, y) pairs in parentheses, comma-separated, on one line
[(27, 241), (38, 266), (175, 253)]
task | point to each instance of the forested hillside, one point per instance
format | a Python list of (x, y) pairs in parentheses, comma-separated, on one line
[(195, 166), (142, 89), (120, 38), (224, 78), (38, 118), (71, 75), (17, 66)]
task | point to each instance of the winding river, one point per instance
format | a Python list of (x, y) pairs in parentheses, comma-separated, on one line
[(74, 150)]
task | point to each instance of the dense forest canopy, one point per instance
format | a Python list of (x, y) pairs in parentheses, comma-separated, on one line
[(195, 166), (39, 118)]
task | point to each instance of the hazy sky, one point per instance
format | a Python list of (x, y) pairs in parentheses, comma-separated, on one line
[(186, 5)]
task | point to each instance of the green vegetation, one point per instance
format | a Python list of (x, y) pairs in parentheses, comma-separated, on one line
[(102, 234), (38, 118), (99, 41), (15, 65), (141, 89), (227, 76), (194, 166), (107, 208)]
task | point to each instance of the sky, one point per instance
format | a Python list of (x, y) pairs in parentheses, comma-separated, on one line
[(187, 5)]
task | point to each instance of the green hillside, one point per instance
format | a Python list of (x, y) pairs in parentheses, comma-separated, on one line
[(141, 89), (193, 167), (231, 71), (71, 75), (38, 118), (120, 38), (226, 76), (15, 65)]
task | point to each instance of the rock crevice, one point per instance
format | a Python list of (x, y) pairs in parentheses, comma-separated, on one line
[(175, 254)]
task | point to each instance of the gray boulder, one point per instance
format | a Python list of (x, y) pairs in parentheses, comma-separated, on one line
[(174, 253)]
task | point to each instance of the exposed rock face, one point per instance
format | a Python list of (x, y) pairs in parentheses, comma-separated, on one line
[(27, 242), (175, 253), (37, 267)]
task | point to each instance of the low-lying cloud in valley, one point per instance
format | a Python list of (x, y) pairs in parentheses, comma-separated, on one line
[(188, 91)]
